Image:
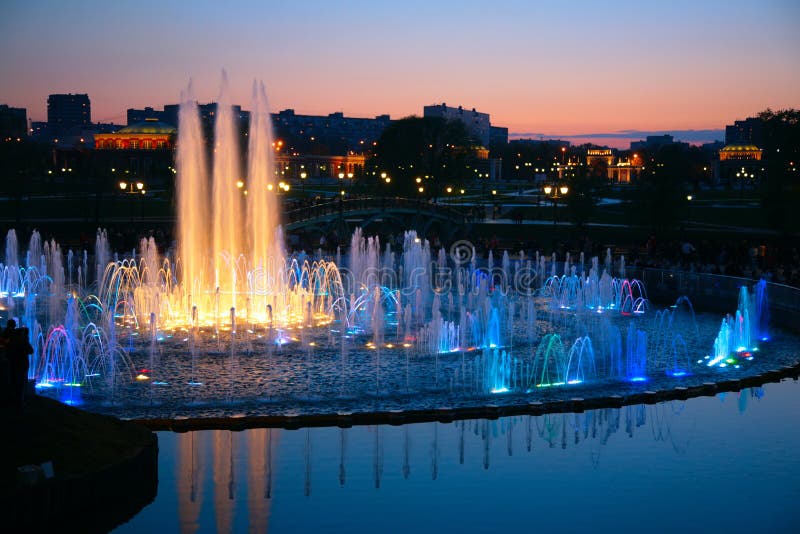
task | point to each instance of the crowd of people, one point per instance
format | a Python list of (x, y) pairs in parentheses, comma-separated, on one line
[(777, 262)]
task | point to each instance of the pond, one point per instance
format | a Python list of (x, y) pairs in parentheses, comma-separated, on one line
[(726, 463)]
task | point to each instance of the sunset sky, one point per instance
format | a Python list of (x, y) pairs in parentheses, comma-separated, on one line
[(544, 68)]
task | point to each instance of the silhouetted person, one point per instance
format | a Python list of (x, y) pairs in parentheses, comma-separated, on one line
[(5, 374), (17, 350)]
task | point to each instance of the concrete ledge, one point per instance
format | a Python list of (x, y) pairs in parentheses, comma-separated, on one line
[(447, 415)]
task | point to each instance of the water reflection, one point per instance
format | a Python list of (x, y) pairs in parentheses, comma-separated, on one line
[(223, 481)]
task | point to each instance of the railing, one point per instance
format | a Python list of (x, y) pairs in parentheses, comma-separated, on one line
[(784, 301), (370, 204)]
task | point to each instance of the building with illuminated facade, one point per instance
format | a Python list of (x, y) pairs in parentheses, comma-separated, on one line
[(624, 171), (141, 151), (150, 134), (740, 163)]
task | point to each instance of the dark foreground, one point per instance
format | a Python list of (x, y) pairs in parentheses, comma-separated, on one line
[(102, 470)]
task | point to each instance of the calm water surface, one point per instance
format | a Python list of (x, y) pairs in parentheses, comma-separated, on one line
[(711, 464)]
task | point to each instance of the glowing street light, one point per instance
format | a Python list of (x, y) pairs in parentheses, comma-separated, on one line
[(555, 192), (132, 188)]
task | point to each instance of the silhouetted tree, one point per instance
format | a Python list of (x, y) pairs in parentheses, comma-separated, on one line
[(781, 190), (417, 147), (660, 198), (586, 187)]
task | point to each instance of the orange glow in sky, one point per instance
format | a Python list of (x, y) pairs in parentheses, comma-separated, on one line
[(538, 68)]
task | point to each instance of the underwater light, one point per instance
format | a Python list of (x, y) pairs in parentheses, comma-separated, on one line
[(572, 382), (677, 374), (160, 383), (638, 379), (93, 374), (499, 390), (195, 383), (142, 377), (44, 385), (72, 384)]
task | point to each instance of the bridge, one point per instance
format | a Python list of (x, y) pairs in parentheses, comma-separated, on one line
[(373, 213)]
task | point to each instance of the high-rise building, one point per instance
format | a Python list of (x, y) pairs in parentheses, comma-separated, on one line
[(477, 123), (746, 132), (65, 111), (169, 115), (333, 133), (13, 122)]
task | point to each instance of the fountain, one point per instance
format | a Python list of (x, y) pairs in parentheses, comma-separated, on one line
[(229, 322)]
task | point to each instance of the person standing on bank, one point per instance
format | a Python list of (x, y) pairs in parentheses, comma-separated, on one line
[(17, 350)]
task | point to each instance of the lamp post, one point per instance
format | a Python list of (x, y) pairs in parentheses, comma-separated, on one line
[(132, 188), (303, 176), (688, 211), (555, 192)]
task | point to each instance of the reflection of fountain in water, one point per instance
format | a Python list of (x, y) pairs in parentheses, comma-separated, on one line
[(220, 455)]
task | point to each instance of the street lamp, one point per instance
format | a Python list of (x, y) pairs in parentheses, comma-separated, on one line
[(555, 192), (303, 179), (132, 188), (688, 210)]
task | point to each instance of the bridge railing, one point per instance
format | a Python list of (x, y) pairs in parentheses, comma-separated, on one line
[(716, 290), (347, 205)]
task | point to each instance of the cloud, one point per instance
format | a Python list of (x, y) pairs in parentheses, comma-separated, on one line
[(688, 136)]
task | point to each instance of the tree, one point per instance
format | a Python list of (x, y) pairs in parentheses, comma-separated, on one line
[(586, 187), (433, 149), (781, 190), (660, 195)]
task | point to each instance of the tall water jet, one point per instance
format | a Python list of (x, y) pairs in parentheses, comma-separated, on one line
[(192, 194), (266, 251), (226, 200)]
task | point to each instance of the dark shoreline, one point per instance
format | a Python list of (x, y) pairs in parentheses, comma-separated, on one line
[(105, 470)]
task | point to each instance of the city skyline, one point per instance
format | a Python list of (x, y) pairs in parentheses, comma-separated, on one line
[(588, 72)]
